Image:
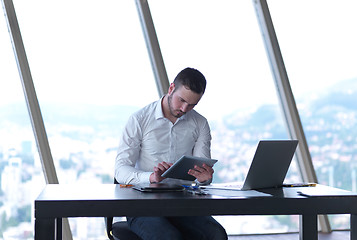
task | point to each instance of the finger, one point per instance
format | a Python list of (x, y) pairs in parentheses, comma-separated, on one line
[(198, 169), (161, 167), (193, 172), (208, 168), (166, 165), (201, 177), (199, 172), (205, 166), (157, 171)]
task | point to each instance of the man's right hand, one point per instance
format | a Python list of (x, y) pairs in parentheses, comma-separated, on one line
[(158, 171)]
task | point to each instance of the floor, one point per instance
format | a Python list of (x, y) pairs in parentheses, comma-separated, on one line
[(336, 235)]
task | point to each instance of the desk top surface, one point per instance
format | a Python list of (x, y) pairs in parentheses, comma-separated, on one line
[(58, 192), (58, 200)]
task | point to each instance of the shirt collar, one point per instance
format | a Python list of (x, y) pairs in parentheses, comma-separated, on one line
[(158, 109), (159, 113)]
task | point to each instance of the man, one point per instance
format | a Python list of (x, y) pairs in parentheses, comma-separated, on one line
[(153, 139)]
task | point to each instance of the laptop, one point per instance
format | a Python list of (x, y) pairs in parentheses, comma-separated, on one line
[(269, 167)]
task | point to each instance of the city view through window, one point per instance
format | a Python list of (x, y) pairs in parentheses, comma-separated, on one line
[(92, 72), (320, 56)]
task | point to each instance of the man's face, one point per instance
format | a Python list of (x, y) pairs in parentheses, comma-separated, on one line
[(181, 100)]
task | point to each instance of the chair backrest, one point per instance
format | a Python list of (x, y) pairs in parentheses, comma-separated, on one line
[(109, 226)]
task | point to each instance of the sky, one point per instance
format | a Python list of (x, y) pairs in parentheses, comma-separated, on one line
[(97, 54)]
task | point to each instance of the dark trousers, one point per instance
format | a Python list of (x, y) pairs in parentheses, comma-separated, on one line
[(177, 228)]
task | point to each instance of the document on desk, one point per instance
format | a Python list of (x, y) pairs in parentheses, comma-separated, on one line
[(234, 186), (230, 186), (233, 189), (235, 193), (324, 191)]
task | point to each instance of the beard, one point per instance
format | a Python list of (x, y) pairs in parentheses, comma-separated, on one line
[(174, 112)]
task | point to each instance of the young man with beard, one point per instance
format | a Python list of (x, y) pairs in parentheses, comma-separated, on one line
[(153, 139)]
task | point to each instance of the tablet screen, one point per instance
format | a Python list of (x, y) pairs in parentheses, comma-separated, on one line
[(180, 168)]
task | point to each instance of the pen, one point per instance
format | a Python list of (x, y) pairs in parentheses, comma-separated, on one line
[(303, 194), (190, 187), (300, 185), (125, 185)]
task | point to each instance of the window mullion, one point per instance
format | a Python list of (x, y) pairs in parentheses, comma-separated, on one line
[(286, 98), (153, 47), (32, 102)]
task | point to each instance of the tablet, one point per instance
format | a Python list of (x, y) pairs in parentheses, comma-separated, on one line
[(158, 187), (179, 169)]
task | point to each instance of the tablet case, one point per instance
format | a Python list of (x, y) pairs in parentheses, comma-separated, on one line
[(158, 187)]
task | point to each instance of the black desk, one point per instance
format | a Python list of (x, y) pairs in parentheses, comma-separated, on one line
[(108, 200)]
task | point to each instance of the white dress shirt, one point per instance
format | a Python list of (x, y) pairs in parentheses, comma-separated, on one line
[(149, 138)]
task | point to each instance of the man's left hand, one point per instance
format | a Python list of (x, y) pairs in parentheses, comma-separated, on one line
[(202, 174)]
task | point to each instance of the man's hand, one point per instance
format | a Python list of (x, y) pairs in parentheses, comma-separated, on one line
[(158, 171), (203, 173)]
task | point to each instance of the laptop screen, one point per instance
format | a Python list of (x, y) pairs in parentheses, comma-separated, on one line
[(270, 164)]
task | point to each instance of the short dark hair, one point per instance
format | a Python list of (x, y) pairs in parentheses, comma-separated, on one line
[(192, 79)]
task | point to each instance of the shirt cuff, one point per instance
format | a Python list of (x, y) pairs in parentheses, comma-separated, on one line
[(203, 183), (145, 177)]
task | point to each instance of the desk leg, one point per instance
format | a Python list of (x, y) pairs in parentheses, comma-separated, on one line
[(44, 229), (58, 228), (308, 227), (353, 226)]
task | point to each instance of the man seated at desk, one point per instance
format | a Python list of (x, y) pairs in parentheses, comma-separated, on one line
[(153, 139)]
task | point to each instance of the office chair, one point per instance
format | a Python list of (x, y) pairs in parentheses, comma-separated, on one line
[(119, 230)]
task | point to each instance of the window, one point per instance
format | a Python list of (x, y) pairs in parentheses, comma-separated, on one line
[(320, 56), (91, 70), (223, 40), (21, 178)]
